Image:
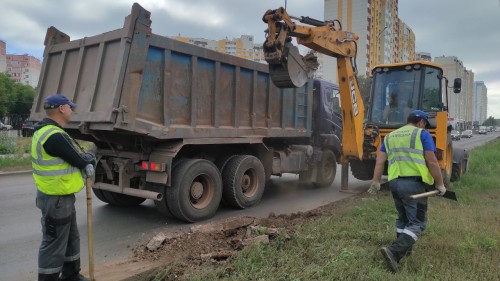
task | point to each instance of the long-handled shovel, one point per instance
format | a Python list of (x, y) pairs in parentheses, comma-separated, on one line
[(448, 195), (88, 183)]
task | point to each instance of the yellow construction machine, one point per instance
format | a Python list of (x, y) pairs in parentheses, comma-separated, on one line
[(396, 90)]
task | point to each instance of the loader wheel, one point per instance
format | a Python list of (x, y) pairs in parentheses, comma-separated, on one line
[(244, 181), (460, 161), (196, 190), (458, 169), (456, 172), (362, 170), (446, 178), (327, 169)]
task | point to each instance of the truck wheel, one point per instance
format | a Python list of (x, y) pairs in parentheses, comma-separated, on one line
[(162, 206), (196, 190), (121, 200), (98, 193), (117, 199), (327, 169), (244, 181), (362, 169)]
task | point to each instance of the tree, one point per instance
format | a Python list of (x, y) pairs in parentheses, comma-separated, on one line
[(490, 121), (15, 98), (6, 91), (23, 100)]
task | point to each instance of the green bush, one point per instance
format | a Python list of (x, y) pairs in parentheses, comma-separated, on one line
[(7, 143)]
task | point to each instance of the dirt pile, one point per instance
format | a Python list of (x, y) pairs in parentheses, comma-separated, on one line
[(213, 244)]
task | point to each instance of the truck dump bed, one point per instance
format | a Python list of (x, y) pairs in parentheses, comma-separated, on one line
[(131, 81)]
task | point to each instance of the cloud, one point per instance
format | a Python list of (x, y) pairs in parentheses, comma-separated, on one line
[(460, 28), (202, 13)]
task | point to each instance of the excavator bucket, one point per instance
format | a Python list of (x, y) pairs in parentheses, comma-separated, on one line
[(292, 71)]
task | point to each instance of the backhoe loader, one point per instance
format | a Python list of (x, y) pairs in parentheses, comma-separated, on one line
[(396, 90)]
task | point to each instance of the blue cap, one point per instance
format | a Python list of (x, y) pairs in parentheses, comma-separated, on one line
[(420, 114), (57, 100)]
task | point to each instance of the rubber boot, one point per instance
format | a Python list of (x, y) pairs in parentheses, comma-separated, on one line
[(71, 271), (394, 253), (48, 277), (410, 250), (390, 259), (401, 246)]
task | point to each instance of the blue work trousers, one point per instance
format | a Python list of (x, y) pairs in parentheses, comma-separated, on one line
[(412, 214)]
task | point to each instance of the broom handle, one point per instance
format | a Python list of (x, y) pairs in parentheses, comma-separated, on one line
[(90, 237)]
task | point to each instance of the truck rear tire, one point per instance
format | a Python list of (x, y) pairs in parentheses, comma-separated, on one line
[(117, 199), (243, 181), (162, 206), (327, 169), (362, 169), (196, 190), (99, 194)]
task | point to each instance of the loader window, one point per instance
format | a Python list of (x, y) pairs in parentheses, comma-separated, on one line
[(395, 95), (432, 100)]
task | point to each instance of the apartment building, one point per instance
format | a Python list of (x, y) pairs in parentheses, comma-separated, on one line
[(24, 69), (460, 106), (243, 47), (3, 56), (405, 50), (383, 37), (480, 102), (423, 56)]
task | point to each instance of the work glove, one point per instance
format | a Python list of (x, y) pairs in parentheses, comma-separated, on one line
[(374, 187), (89, 171), (89, 158), (441, 189)]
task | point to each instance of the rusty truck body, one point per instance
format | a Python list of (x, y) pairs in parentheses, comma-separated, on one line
[(184, 125)]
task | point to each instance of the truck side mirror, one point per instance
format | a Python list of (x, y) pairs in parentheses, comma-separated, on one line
[(457, 85)]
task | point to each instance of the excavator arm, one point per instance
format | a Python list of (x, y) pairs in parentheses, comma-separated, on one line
[(288, 68)]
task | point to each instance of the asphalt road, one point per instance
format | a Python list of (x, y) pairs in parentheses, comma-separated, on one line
[(118, 230)]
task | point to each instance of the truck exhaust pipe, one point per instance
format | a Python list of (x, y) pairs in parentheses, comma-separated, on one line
[(129, 191)]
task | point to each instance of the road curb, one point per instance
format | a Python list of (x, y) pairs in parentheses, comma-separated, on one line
[(15, 172)]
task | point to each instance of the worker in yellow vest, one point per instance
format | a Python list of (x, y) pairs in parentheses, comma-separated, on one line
[(58, 166), (412, 165)]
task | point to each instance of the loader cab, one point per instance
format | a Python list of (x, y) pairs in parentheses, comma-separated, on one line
[(398, 89)]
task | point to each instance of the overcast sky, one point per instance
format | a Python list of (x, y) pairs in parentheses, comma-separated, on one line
[(467, 29)]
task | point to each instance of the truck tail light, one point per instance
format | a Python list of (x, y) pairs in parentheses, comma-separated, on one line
[(153, 166)]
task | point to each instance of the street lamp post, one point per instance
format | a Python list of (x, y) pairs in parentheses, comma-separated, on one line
[(379, 44)]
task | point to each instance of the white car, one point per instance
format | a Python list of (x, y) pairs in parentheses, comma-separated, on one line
[(5, 127)]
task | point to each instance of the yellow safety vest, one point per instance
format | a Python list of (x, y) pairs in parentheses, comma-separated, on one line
[(53, 175), (405, 154)]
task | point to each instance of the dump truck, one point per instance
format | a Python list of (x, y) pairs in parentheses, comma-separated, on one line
[(183, 125)]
